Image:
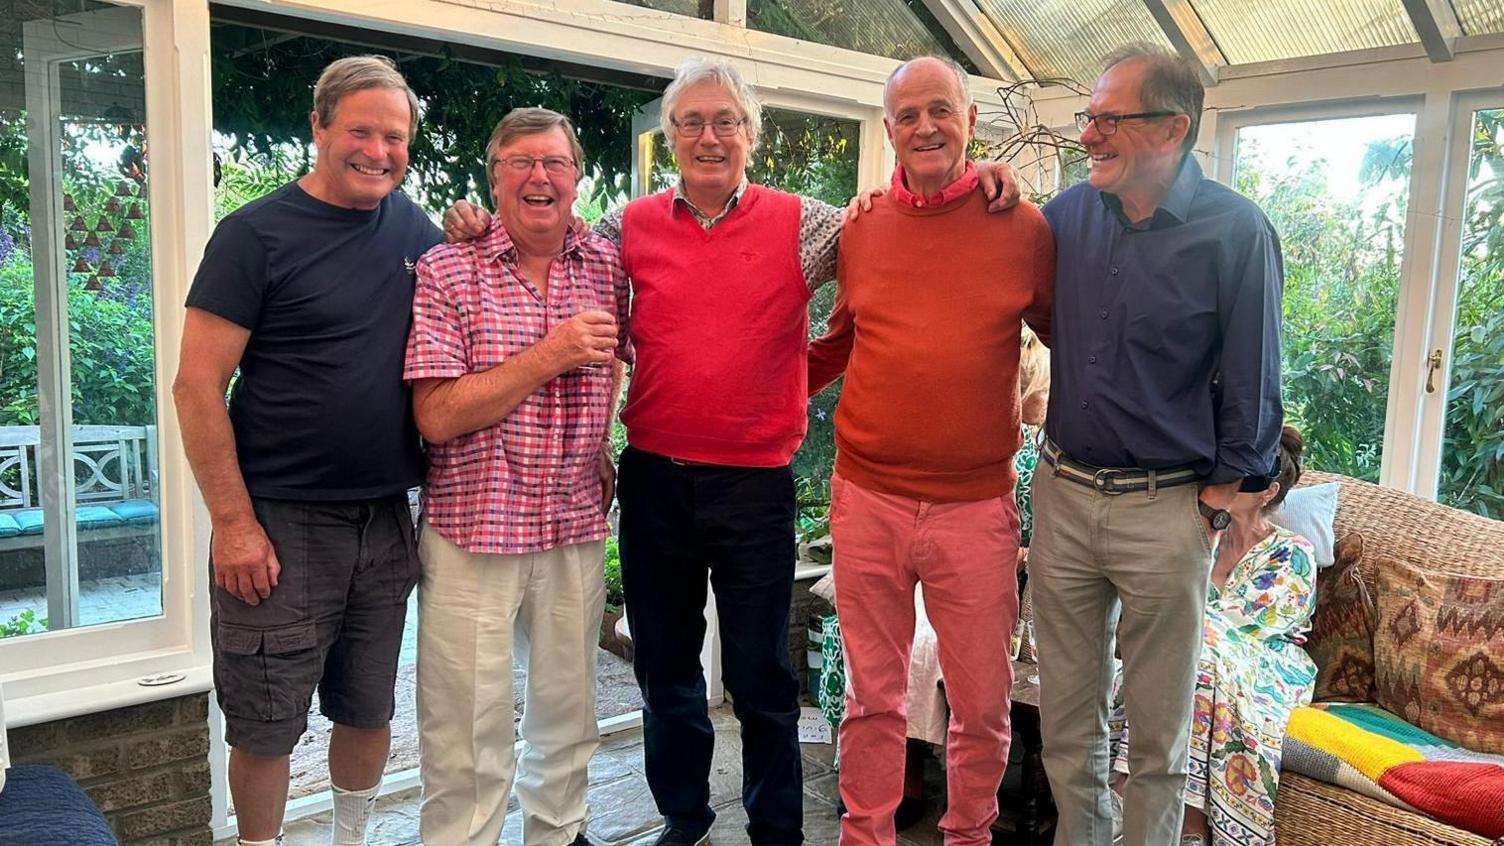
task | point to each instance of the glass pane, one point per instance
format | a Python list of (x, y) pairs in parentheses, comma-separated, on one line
[(691, 8), (884, 27), (75, 240), (1335, 191), (1068, 38), (1472, 459), (1283, 29), (1479, 17)]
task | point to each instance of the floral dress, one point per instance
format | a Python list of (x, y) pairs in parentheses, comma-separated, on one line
[(1253, 673)]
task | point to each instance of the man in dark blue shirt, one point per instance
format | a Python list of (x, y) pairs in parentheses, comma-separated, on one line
[(308, 291), (1164, 404)]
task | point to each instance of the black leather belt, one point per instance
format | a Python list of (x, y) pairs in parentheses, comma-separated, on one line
[(1114, 480)]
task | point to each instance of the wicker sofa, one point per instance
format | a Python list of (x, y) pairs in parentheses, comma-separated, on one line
[(1309, 812)]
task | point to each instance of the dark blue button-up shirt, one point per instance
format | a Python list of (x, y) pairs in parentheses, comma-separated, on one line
[(1166, 332)]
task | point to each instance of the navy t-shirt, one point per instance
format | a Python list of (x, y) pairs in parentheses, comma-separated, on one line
[(320, 411)]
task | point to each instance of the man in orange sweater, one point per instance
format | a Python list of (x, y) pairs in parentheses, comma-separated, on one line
[(932, 292)]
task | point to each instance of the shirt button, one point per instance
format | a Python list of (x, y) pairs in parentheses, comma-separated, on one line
[(1102, 314), (1114, 271), (1083, 403), (1091, 359), (919, 204)]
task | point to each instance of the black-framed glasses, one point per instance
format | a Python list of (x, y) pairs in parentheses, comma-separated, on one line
[(554, 165), (723, 127), (1108, 124)]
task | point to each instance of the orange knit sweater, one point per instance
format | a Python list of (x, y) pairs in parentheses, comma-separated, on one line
[(926, 328)]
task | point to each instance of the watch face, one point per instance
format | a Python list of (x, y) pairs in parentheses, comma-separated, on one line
[(1221, 520)]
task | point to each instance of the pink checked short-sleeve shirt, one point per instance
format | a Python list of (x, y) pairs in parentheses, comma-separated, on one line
[(530, 482)]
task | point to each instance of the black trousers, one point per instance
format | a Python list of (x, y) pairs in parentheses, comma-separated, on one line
[(678, 522)]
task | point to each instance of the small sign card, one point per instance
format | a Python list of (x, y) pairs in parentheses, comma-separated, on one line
[(813, 727)]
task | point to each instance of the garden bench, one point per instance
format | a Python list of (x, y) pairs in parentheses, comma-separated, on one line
[(115, 473)]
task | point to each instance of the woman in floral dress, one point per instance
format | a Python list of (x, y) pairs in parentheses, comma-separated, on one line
[(1253, 672)]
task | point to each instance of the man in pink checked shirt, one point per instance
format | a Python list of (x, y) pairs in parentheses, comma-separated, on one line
[(515, 366)]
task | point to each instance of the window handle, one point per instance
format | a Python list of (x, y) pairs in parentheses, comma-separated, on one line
[(1435, 361)]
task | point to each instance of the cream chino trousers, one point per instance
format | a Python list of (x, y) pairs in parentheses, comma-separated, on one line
[(477, 613), (1138, 564)]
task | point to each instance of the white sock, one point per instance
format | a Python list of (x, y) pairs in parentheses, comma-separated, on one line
[(352, 811), (275, 841)]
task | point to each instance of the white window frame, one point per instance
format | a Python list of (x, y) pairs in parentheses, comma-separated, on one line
[(1441, 330), (1413, 281), (93, 668)]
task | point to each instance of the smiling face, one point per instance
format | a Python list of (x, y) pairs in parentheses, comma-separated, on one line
[(929, 123), (712, 167), (534, 202), (362, 152), (1139, 160)]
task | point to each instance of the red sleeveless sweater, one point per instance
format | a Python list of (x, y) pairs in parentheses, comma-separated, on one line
[(720, 324)]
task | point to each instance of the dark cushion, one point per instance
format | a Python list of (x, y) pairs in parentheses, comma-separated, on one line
[(41, 805)]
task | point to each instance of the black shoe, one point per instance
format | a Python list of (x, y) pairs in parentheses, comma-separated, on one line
[(678, 837), (581, 840)]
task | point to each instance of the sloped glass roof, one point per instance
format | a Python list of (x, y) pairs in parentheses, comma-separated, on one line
[(881, 27), (1480, 17), (1285, 29), (1066, 39)]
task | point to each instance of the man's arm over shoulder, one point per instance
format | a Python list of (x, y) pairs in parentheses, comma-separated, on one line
[(1250, 413), (819, 240)]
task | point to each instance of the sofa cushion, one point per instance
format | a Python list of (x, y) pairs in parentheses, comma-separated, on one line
[(1309, 512), (1439, 653), (1341, 638)]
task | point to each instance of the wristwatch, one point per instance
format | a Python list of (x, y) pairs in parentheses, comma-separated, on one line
[(1218, 518)]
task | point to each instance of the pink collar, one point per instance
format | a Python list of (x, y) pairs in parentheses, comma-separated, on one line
[(960, 188)]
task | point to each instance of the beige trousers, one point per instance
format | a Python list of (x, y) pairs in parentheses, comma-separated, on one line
[(1137, 563), (478, 613)]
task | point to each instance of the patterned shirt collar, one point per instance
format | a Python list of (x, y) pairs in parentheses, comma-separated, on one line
[(496, 242), (965, 184), (707, 221)]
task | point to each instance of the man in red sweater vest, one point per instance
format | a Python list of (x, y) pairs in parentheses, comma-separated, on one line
[(926, 327)]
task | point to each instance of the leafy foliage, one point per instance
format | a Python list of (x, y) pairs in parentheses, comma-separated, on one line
[(1472, 461), (23, 623)]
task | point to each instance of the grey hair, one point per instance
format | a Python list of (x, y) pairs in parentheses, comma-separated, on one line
[(694, 71), (358, 73), (531, 120), (963, 82), (1170, 84)]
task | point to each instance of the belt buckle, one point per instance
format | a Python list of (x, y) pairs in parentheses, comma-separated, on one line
[(1104, 479)]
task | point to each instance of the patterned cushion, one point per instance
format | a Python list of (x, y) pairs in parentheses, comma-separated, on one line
[(1341, 639), (1439, 653)]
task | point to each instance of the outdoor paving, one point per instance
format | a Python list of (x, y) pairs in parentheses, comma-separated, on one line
[(106, 600), (622, 811)]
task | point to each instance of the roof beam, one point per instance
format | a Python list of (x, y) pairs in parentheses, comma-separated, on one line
[(979, 38), (1189, 36), (1436, 23), (733, 12)]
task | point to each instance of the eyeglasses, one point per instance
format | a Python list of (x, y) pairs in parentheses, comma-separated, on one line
[(554, 165), (1108, 124), (723, 127)]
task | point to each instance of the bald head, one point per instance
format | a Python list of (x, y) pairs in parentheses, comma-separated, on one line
[(927, 70)]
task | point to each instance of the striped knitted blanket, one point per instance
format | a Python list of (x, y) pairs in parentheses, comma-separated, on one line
[(1371, 751)]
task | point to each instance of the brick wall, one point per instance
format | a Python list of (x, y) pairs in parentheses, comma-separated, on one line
[(146, 766)]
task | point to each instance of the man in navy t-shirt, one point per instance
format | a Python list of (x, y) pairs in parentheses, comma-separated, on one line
[(308, 292)]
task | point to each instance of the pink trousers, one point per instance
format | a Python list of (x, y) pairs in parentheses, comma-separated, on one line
[(965, 554)]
